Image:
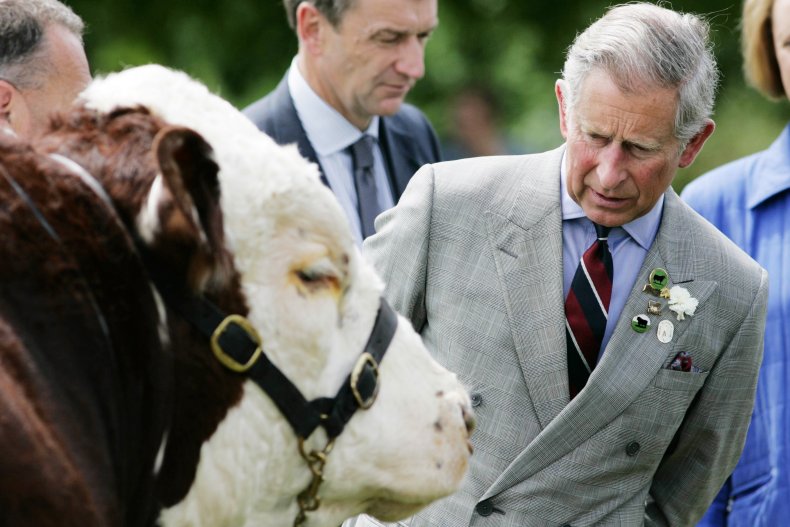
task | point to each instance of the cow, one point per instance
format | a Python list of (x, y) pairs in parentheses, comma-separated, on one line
[(236, 423), (86, 354)]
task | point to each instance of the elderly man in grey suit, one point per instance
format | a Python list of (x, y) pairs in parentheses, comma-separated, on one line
[(610, 337)]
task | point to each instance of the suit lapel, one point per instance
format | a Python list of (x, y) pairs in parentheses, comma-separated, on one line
[(631, 359), (523, 241), (288, 128), (400, 154)]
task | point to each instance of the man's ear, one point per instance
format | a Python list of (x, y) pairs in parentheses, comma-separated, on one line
[(559, 87), (310, 24), (7, 93), (695, 145)]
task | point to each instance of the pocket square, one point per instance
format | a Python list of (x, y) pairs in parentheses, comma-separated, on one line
[(683, 362)]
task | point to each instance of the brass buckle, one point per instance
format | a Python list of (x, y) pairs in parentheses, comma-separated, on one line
[(365, 358), (226, 360)]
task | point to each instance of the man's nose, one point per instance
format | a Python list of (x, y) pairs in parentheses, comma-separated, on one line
[(411, 61), (611, 166)]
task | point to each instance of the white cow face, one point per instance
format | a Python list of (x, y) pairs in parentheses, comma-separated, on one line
[(314, 300), (411, 447)]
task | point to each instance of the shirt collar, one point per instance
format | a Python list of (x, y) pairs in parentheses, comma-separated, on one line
[(772, 176), (328, 131), (642, 230)]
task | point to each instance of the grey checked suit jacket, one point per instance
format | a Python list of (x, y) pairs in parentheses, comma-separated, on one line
[(472, 255)]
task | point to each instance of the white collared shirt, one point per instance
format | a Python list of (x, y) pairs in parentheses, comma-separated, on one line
[(331, 134)]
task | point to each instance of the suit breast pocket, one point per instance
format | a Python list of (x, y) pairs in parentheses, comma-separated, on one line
[(681, 381)]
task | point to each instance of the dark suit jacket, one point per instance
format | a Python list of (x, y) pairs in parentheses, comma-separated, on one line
[(407, 139)]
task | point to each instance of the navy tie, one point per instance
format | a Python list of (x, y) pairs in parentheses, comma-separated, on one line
[(365, 183), (587, 309)]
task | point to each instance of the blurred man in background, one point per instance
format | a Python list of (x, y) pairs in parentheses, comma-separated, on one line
[(42, 63), (477, 128)]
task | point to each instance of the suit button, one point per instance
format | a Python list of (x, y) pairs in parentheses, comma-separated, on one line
[(476, 399), (632, 448), (485, 508)]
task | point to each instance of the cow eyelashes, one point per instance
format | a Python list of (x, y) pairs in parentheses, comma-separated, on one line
[(321, 274)]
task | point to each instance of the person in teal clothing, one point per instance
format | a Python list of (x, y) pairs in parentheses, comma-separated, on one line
[(749, 200)]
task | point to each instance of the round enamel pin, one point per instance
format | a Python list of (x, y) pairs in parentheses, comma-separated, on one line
[(640, 323), (659, 278), (665, 331)]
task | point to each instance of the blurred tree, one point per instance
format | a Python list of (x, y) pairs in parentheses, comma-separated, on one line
[(241, 48)]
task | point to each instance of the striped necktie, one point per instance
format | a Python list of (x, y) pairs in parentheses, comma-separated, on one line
[(587, 309)]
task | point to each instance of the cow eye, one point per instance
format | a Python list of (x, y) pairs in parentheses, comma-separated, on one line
[(310, 276), (319, 275)]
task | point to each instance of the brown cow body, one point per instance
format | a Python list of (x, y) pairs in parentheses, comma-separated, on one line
[(86, 380)]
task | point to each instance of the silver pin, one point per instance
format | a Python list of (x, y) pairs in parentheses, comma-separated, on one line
[(654, 308), (665, 331)]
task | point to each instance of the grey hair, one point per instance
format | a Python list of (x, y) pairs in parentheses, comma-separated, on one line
[(641, 45), (23, 60), (333, 10)]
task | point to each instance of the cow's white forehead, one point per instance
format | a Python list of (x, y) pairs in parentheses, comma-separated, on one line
[(181, 100), (254, 170)]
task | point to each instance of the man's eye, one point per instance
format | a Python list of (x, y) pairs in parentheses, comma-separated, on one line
[(640, 150), (423, 37), (389, 38)]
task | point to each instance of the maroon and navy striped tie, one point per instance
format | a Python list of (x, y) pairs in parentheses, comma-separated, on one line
[(587, 309)]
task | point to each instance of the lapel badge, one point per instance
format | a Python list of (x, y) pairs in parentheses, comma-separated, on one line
[(654, 308), (649, 289), (640, 323), (664, 293), (665, 332), (659, 278)]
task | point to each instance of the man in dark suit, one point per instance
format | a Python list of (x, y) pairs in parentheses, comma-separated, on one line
[(341, 101)]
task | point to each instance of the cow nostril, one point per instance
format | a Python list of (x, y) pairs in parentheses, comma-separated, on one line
[(469, 418)]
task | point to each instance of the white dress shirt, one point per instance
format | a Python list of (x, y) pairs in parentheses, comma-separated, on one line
[(331, 134)]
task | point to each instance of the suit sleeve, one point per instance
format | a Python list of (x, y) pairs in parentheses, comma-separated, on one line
[(717, 513), (708, 444), (399, 249)]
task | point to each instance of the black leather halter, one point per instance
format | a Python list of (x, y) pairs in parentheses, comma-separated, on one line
[(239, 348)]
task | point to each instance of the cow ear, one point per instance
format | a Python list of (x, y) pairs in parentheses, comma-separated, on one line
[(190, 174)]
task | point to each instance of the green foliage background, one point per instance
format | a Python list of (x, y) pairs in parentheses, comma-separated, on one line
[(240, 48)]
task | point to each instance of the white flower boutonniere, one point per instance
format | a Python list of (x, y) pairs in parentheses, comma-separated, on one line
[(681, 302)]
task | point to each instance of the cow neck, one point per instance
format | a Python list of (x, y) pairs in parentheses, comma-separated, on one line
[(127, 451)]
